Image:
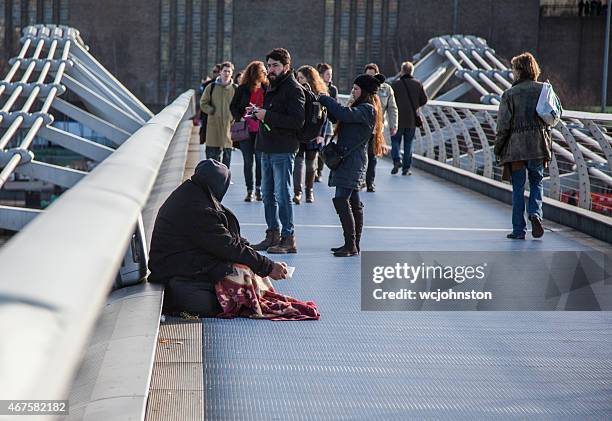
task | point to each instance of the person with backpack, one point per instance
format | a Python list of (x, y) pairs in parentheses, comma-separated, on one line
[(409, 96), (523, 144), (356, 123), (250, 91), (215, 102), (281, 121), (308, 77), (327, 72), (389, 108), (203, 117)]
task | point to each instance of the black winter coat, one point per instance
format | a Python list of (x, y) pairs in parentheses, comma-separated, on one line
[(356, 125), (404, 87), (196, 237), (241, 100), (333, 90), (284, 104)]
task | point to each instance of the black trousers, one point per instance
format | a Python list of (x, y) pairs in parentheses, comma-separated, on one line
[(252, 158), (190, 296)]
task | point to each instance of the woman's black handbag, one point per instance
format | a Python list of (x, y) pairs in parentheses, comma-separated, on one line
[(332, 157)]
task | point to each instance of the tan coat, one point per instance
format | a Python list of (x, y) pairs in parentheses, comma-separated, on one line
[(218, 133), (387, 100)]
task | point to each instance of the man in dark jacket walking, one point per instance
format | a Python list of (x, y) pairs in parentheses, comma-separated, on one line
[(281, 117), (196, 240), (409, 96)]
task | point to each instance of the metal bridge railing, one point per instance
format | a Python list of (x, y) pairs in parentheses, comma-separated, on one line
[(452, 66), (48, 308), (54, 60), (463, 135)]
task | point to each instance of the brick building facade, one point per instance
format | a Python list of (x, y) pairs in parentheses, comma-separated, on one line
[(159, 48)]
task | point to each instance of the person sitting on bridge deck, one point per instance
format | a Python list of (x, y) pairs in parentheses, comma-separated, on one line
[(207, 267)]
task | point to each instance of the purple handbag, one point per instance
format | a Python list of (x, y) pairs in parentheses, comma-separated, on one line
[(240, 131)]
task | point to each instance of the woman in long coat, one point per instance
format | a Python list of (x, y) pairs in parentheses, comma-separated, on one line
[(356, 123)]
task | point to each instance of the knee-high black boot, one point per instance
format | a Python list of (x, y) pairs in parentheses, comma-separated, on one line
[(343, 208), (357, 209)]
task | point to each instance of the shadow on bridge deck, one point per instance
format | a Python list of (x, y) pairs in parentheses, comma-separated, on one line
[(404, 365)]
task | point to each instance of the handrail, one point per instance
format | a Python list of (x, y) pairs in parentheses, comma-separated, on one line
[(48, 309), (580, 142), (580, 115)]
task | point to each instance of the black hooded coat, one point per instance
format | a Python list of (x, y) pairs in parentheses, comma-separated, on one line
[(196, 237)]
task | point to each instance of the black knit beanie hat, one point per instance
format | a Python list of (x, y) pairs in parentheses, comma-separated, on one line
[(369, 83)]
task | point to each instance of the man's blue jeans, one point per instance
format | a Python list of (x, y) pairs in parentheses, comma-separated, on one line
[(535, 172), (408, 135), (276, 175)]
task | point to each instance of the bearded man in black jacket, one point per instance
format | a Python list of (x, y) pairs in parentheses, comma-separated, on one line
[(196, 240), (281, 117)]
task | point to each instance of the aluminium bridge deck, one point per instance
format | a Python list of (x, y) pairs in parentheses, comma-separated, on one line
[(403, 365)]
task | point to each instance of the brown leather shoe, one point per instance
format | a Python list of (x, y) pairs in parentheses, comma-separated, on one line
[(309, 196), (537, 230), (286, 245), (272, 239)]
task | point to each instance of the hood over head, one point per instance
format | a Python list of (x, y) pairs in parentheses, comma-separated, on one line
[(214, 176)]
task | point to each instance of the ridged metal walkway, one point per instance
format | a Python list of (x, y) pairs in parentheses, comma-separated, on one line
[(404, 365)]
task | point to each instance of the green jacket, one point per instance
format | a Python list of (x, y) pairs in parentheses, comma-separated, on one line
[(521, 134), (220, 118)]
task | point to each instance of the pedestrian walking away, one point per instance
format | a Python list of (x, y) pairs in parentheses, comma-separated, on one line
[(523, 145), (409, 96)]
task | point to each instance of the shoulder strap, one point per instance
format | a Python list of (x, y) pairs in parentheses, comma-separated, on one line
[(357, 146), (212, 88)]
